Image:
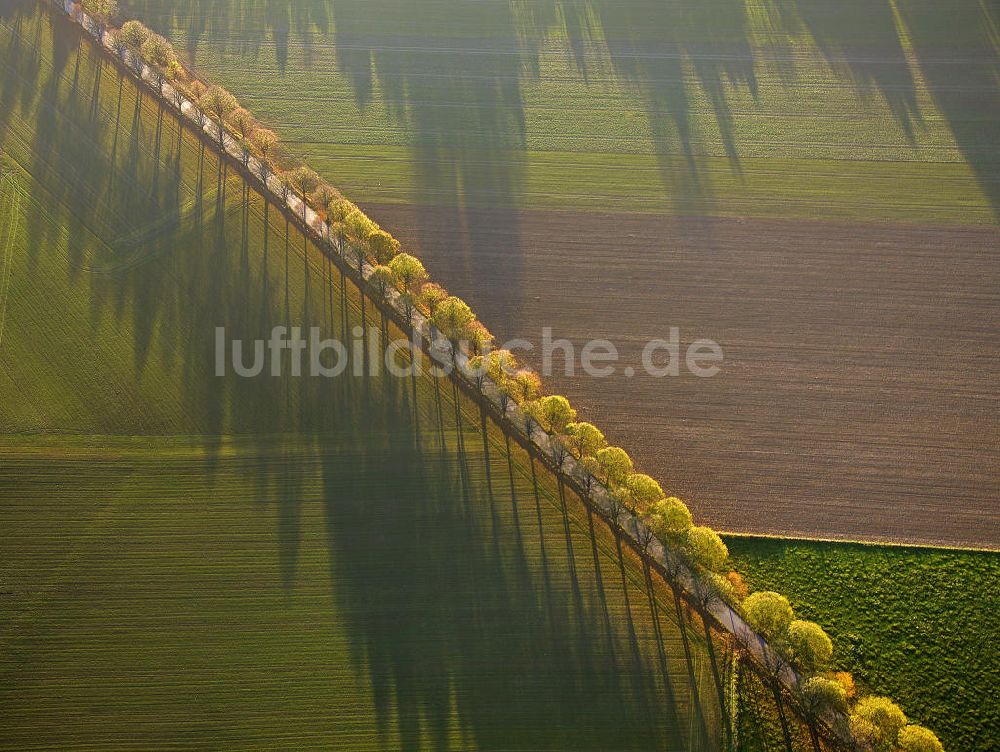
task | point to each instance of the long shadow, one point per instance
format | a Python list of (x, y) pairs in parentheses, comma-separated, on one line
[(861, 42), (957, 46), (460, 621), (448, 617), (452, 78), (650, 46), (240, 27)]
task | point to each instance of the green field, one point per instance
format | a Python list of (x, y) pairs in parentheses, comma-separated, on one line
[(721, 107), (192, 561), (918, 624)]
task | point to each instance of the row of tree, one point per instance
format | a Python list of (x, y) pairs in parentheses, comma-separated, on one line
[(875, 723)]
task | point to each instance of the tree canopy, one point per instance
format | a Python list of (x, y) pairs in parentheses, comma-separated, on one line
[(478, 337), (408, 270), (431, 296), (669, 518), (103, 10), (305, 179), (768, 613), (134, 35), (706, 548), (613, 465), (809, 644), (919, 739), (382, 246), (820, 693), (451, 316), (158, 51), (218, 103), (555, 413), (882, 715), (644, 490), (526, 386), (383, 278), (584, 439)]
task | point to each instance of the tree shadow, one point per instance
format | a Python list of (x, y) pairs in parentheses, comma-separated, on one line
[(240, 27), (452, 79), (957, 46), (450, 617), (467, 617)]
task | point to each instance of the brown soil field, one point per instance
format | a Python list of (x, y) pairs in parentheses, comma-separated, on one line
[(858, 398)]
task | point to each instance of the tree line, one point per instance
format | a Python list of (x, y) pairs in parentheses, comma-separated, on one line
[(820, 693)]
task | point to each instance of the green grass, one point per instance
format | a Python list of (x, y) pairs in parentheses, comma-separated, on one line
[(724, 108), (200, 561), (916, 624)]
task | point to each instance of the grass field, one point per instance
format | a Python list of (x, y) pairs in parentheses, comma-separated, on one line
[(539, 105), (814, 187), (915, 623), (192, 561)]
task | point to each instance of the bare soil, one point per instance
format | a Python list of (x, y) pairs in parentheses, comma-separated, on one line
[(859, 394)]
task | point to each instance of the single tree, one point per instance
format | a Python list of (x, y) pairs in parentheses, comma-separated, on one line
[(768, 613), (919, 739), (114, 38), (500, 364), (324, 197), (809, 645), (584, 439), (286, 185), (431, 296), (218, 103), (475, 368), (103, 11), (408, 270), (532, 409), (158, 51), (740, 589), (359, 229), (382, 278), (705, 548), (176, 74), (591, 471), (478, 337), (864, 733), (452, 318), (134, 36), (556, 414), (823, 694), (670, 519), (197, 90), (884, 716), (613, 465), (382, 246), (244, 125), (527, 386), (263, 142), (305, 181), (709, 588), (816, 697), (645, 490), (340, 210), (409, 303), (507, 390), (619, 507), (175, 71), (339, 235)]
